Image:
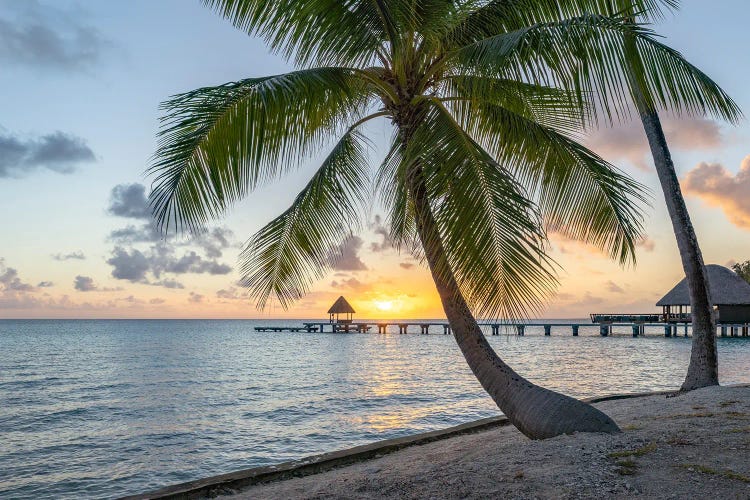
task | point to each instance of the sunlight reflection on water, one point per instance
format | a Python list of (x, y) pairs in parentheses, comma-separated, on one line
[(107, 408)]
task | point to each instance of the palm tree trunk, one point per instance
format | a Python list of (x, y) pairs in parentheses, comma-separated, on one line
[(703, 369), (537, 412)]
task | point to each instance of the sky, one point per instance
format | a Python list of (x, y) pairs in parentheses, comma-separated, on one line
[(80, 87)]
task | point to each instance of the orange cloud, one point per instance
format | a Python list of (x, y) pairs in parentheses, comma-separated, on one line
[(629, 141), (715, 185)]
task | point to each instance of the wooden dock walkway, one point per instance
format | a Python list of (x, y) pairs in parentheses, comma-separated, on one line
[(519, 329)]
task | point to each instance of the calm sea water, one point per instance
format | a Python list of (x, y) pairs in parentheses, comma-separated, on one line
[(101, 409)]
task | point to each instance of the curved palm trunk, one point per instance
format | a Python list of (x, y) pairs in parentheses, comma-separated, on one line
[(703, 369), (537, 412)]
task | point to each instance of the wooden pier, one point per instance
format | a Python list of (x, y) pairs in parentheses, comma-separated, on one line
[(507, 328)]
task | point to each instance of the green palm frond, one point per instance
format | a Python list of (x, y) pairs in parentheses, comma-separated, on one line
[(577, 192), (393, 193), (488, 227), (481, 20), (587, 54), (671, 83), (219, 143), (322, 32), (287, 255), (551, 107)]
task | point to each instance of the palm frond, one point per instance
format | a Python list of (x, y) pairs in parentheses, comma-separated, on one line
[(320, 32), (488, 227), (393, 193), (287, 255), (219, 143), (587, 54), (478, 22), (552, 107), (577, 192)]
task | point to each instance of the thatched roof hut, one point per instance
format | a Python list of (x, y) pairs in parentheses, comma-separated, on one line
[(727, 288), (341, 306), (730, 295)]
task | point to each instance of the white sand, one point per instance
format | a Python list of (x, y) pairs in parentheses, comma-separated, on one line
[(690, 446)]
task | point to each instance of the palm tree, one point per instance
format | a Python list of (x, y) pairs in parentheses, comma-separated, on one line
[(483, 158), (682, 89)]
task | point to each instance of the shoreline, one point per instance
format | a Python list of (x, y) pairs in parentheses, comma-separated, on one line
[(231, 482)]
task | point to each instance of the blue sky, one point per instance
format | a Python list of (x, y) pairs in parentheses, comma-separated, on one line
[(83, 80)]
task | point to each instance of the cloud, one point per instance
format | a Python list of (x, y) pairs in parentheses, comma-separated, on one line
[(44, 36), (351, 284), (406, 265), (129, 200), (379, 229), (214, 241), (195, 298), (10, 280), (715, 185), (129, 265), (134, 265), (588, 300), (169, 283), (191, 262), (77, 255), (646, 244), (346, 258), (138, 264), (58, 152), (156, 301), (84, 284), (45, 284), (232, 293), (613, 287), (629, 142), (131, 234)]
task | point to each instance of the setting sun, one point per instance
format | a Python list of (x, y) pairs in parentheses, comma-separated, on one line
[(384, 305)]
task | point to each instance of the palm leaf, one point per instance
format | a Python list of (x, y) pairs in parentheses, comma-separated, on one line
[(219, 143), (488, 227), (578, 193), (286, 256)]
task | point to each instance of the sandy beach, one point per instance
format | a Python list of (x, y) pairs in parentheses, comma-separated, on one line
[(692, 445)]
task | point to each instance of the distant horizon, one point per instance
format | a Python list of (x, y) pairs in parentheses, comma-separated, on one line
[(320, 320)]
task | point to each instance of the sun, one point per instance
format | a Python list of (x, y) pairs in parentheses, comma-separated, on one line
[(384, 305)]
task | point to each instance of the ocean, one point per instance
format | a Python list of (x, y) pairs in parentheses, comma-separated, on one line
[(106, 408)]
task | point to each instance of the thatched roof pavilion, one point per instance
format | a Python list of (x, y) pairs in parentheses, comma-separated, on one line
[(730, 294), (341, 306)]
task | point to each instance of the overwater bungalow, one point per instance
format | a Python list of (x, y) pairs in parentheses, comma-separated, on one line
[(730, 296), (341, 307)]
